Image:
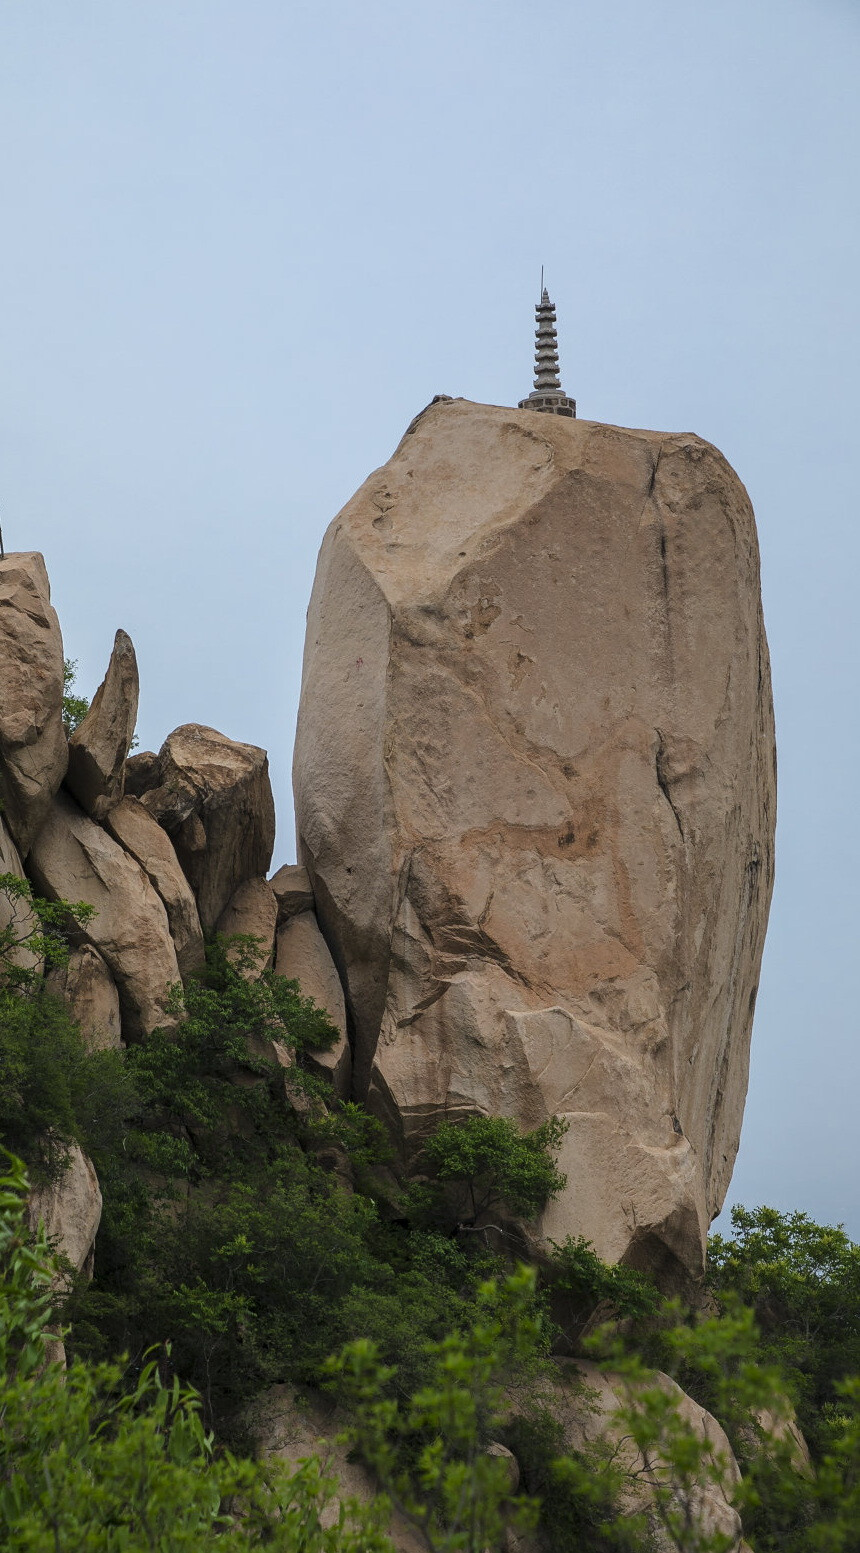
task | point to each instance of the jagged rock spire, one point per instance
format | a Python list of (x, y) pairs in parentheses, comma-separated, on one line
[(547, 394)]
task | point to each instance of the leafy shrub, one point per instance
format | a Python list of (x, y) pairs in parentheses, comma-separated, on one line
[(802, 1280), (577, 1271), (578, 1492), (88, 1463), (75, 708), (484, 1163)]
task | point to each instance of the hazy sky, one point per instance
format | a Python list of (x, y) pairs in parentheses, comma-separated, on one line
[(244, 241)]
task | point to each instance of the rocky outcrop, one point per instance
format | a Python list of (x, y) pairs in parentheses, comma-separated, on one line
[(70, 1209), (303, 956), (16, 913), (87, 987), (534, 780), (134, 828), (100, 744), (213, 797), (590, 1415), (74, 859), (291, 886), (252, 911), (33, 749)]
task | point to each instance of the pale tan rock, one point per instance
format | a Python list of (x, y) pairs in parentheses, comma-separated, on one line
[(534, 779), (589, 1415), (33, 749), (293, 893), (87, 987), (135, 829), (303, 955), (252, 910), (70, 1209), (100, 744), (214, 799), (74, 859), (17, 913), (141, 773), (293, 1426)]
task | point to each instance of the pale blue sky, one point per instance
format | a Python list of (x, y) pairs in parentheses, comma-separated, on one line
[(243, 243)]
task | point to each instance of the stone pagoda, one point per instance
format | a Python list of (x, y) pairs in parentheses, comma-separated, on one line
[(547, 394)]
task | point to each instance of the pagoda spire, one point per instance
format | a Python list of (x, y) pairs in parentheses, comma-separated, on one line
[(547, 394)]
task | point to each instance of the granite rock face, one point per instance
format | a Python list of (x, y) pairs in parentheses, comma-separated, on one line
[(89, 990), (100, 744), (302, 955), (33, 749), (70, 1209), (73, 859), (134, 828), (535, 793), (252, 910), (17, 915), (214, 798)]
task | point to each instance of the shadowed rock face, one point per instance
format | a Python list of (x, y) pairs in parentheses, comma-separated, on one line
[(33, 749), (535, 792)]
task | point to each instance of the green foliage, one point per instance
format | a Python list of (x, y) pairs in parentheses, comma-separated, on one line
[(53, 1092), (577, 1271), (222, 1232), (802, 1280), (483, 1163), (431, 1456), (36, 930), (75, 708), (91, 1465), (578, 1491)]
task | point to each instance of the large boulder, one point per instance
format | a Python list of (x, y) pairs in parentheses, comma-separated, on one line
[(70, 1209), (73, 859), (100, 744), (535, 793), (86, 986), (587, 1406), (142, 836), (303, 955), (214, 798), (292, 890), (33, 749)]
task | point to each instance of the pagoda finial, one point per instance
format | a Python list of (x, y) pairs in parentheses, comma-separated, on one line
[(548, 394)]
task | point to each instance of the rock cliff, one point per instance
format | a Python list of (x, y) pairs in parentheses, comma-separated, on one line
[(535, 792)]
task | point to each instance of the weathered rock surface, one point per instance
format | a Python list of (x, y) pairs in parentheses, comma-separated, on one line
[(33, 749), (70, 1208), (303, 955), (252, 910), (99, 745), (14, 913), (86, 985), (293, 1426), (214, 798), (141, 773), (589, 1416), (74, 859), (135, 830), (292, 889), (535, 793)]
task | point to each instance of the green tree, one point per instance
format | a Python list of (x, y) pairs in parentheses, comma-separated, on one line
[(484, 1163), (431, 1456), (75, 708), (90, 1465), (802, 1280)]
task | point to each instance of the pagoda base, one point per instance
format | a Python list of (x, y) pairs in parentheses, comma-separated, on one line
[(549, 404)]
